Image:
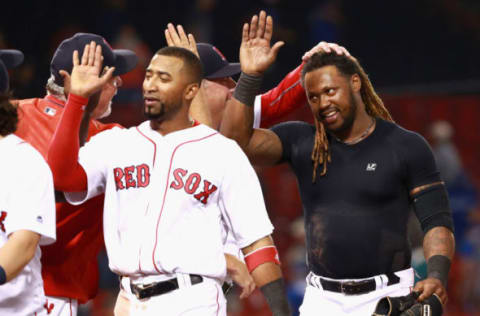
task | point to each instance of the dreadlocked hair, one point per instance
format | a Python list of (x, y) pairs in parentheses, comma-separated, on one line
[(8, 115), (374, 107)]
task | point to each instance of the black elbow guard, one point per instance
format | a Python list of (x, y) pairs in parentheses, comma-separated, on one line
[(433, 208)]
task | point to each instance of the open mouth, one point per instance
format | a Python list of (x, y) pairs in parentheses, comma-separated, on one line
[(330, 116)]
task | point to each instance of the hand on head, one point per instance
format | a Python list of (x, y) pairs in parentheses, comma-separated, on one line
[(327, 48), (178, 37), (256, 54), (85, 78)]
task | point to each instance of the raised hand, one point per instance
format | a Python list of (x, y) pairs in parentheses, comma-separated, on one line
[(326, 47), (178, 37), (256, 54), (85, 79)]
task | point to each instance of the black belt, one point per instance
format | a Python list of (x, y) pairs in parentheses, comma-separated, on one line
[(142, 291), (355, 287)]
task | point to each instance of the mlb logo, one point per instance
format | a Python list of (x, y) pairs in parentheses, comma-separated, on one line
[(50, 111)]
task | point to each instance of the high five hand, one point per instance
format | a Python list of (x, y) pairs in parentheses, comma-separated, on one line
[(85, 80), (256, 54), (178, 37)]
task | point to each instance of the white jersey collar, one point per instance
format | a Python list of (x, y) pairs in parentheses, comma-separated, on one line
[(200, 130)]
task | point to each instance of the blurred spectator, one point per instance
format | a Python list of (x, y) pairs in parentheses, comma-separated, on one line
[(200, 20), (462, 193), (464, 274), (128, 38), (324, 22), (296, 263)]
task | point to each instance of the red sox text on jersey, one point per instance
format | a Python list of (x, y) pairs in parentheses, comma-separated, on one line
[(139, 177)]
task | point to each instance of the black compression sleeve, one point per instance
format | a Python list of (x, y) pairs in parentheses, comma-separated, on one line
[(433, 208), (276, 297)]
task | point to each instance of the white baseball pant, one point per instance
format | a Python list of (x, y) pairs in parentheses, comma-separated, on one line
[(205, 298), (320, 302)]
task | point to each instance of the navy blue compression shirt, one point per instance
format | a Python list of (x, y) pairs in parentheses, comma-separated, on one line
[(356, 215)]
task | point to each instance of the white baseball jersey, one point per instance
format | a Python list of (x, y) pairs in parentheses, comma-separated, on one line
[(167, 198), (27, 202)]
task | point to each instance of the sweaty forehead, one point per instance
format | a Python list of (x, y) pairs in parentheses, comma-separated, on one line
[(326, 76), (166, 64)]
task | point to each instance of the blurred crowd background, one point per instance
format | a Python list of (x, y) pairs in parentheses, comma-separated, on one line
[(423, 56)]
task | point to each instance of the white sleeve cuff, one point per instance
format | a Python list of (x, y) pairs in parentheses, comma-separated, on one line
[(257, 111)]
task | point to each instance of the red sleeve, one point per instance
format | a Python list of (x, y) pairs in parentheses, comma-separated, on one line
[(68, 174), (283, 99)]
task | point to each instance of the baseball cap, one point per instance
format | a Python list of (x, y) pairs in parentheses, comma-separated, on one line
[(215, 65), (123, 60), (9, 58)]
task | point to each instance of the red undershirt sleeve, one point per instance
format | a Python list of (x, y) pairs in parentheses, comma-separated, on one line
[(68, 174), (278, 102)]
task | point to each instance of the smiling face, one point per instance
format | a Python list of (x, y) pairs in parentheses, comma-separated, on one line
[(331, 97), (163, 87)]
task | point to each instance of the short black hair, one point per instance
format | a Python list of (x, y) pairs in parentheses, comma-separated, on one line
[(191, 64), (8, 115)]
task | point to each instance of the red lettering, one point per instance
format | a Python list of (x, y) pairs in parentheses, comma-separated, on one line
[(143, 176), (178, 174), (193, 182), (208, 189), (129, 177), (48, 307), (118, 174), (3, 215)]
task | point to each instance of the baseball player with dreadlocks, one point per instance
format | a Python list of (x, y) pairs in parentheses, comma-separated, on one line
[(358, 173)]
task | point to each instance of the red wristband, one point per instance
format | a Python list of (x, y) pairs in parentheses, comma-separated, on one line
[(261, 255)]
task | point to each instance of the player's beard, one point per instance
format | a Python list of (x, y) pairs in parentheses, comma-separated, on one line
[(152, 115), (107, 112), (349, 115), (165, 111)]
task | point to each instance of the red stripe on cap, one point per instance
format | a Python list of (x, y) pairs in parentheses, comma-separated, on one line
[(219, 52), (107, 43)]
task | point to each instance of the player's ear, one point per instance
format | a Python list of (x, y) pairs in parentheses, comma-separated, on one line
[(355, 82), (191, 91)]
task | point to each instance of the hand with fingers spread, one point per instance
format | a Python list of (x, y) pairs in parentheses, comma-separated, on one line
[(178, 37), (85, 79), (256, 54), (327, 48)]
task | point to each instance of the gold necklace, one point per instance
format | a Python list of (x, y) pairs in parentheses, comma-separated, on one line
[(361, 137)]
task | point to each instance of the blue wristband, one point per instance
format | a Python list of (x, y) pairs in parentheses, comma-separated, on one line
[(3, 276)]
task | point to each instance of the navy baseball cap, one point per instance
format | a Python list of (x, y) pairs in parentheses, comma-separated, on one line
[(9, 58), (215, 65), (123, 60)]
